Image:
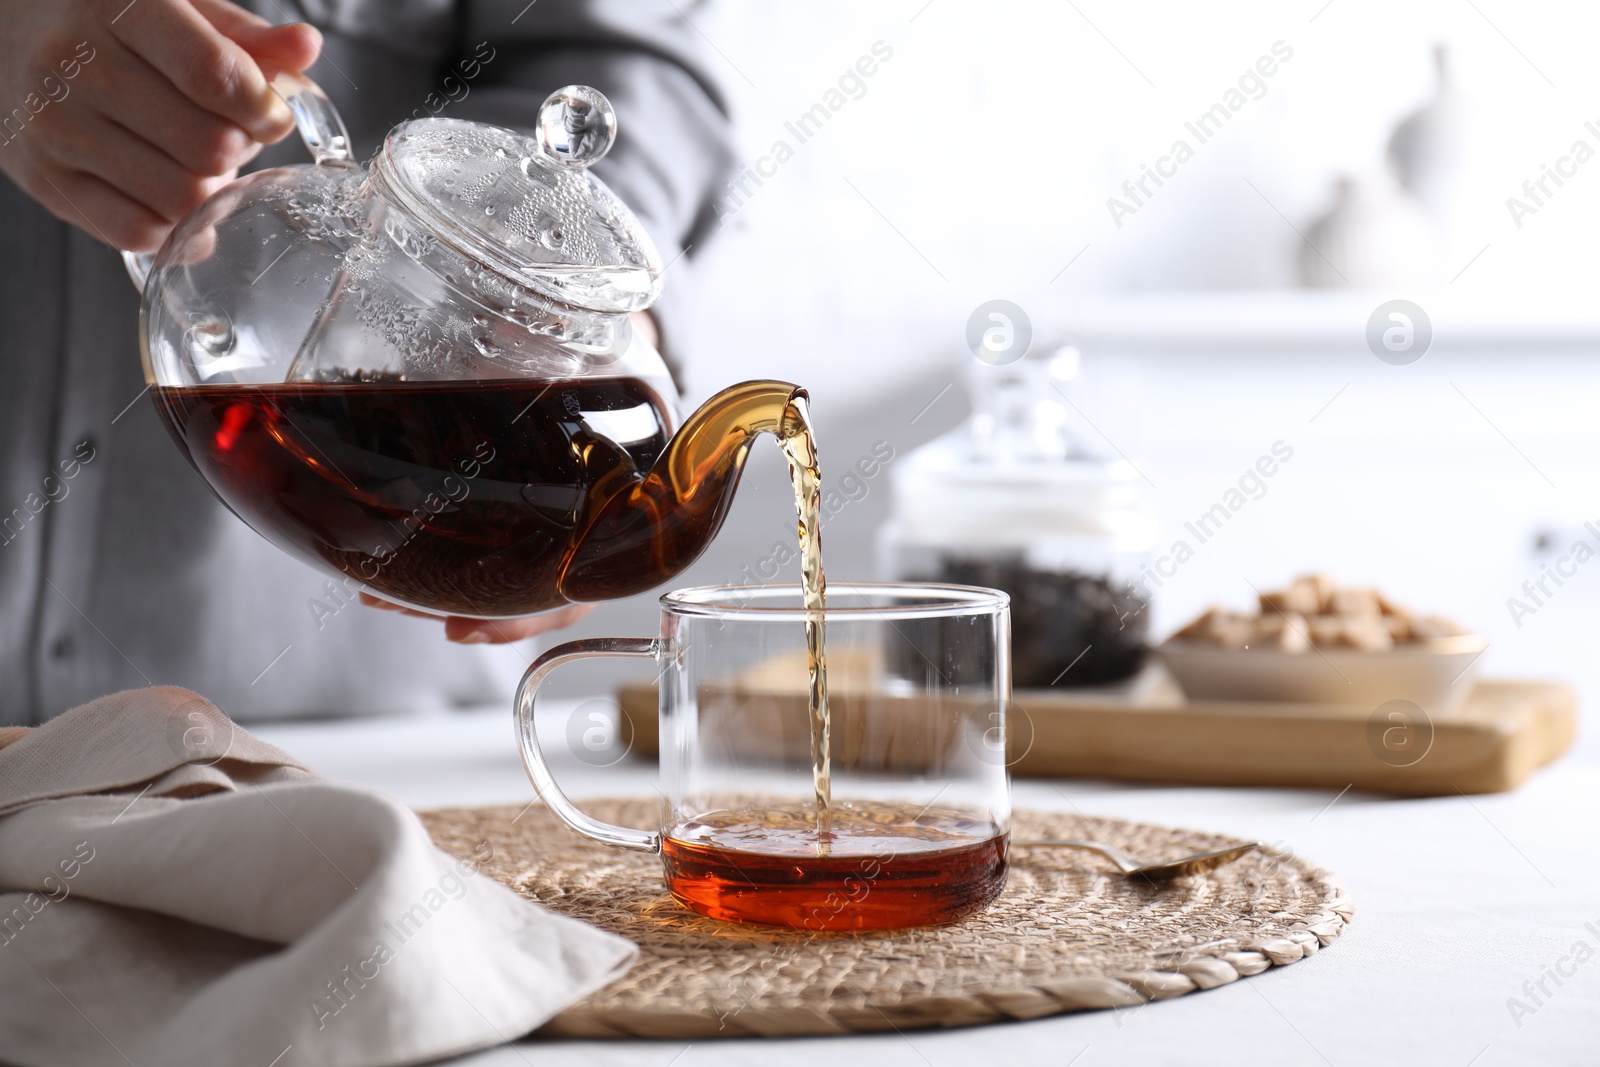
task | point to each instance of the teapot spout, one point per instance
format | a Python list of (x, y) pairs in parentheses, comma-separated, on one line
[(706, 456), (678, 507)]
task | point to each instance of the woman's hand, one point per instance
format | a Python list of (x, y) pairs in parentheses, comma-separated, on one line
[(490, 631), (124, 116)]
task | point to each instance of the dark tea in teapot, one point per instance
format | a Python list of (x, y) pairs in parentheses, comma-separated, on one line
[(494, 498)]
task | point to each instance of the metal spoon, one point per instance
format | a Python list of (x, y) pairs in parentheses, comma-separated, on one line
[(1129, 865)]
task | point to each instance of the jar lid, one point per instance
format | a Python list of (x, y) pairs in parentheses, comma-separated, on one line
[(527, 206), (1015, 470)]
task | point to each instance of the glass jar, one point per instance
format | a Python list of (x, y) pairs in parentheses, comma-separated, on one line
[(1013, 500)]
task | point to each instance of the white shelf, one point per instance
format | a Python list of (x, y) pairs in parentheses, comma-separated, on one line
[(1279, 321)]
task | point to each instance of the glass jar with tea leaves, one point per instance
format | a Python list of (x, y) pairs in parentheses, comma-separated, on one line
[(1014, 499)]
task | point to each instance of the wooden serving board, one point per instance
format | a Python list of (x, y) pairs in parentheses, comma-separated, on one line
[(1146, 732)]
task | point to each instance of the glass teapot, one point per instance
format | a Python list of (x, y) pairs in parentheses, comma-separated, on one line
[(421, 375)]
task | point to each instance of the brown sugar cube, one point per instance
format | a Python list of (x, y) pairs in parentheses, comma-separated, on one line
[(1298, 599), (1365, 632), (1233, 632), (1322, 586), (1390, 609), (1399, 627), (1434, 626), (1264, 630), (1292, 635), (1272, 625), (1353, 601), (1201, 627), (1326, 631)]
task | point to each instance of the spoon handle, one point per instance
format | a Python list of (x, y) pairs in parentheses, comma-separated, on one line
[(1110, 852)]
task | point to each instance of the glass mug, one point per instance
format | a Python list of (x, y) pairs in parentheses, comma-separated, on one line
[(916, 828)]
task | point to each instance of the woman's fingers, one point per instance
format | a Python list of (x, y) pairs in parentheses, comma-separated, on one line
[(490, 631), (132, 110), (135, 96), (96, 145), (502, 631), (91, 204), (291, 47), (206, 67)]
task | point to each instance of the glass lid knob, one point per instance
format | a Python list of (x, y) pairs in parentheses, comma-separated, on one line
[(577, 125)]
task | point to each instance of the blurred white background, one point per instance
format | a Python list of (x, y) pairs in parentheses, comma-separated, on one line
[(976, 162)]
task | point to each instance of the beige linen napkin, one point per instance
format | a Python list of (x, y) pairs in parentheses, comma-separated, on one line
[(174, 891)]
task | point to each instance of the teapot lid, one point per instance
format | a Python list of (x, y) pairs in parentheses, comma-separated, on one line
[(527, 206)]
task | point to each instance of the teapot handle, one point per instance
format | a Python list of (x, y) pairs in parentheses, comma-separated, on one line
[(320, 127)]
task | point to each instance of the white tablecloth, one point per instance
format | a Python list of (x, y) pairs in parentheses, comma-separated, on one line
[(1462, 904)]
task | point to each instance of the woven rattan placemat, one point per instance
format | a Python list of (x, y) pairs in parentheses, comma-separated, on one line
[(1067, 934)]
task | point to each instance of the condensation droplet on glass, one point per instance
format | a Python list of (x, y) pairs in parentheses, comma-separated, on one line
[(480, 318), (485, 346)]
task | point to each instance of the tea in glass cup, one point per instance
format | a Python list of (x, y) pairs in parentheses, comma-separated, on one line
[(904, 820)]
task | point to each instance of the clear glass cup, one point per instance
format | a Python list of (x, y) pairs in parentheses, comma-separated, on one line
[(915, 830)]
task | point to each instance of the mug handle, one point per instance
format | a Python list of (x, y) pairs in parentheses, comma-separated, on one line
[(320, 127), (533, 759)]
